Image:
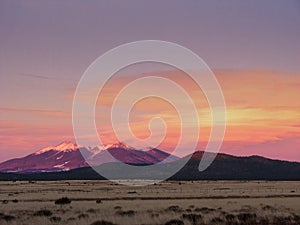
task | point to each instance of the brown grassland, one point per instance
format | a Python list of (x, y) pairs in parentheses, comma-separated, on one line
[(169, 203)]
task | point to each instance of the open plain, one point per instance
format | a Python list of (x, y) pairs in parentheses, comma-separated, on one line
[(174, 202)]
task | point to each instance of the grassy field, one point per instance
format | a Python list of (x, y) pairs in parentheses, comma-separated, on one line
[(186, 202)]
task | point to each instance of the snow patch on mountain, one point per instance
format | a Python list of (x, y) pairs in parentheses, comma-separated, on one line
[(61, 165), (59, 157), (118, 145), (62, 147)]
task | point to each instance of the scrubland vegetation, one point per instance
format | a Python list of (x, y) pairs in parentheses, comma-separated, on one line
[(167, 203)]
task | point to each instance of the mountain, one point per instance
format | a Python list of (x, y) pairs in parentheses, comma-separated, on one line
[(65, 161), (224, 167), (64, 156), (229, 167), (126, 154), (68, 156)]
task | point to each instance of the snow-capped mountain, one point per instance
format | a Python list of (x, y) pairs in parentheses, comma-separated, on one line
[(62, 147), (64, 156), (127, 154), (67, 156)]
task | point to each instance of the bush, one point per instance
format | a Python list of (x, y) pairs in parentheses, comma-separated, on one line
[(174, 208), (193, 218), (282, 220), (217, 220), (264, 221), (268, 207), (230, 217), (8, 218), (83, 216), (71, 219), (55, 219), (126, 213), (43, 212), (102, 222), (154, 215), (63, 201), (296, 218), (174, 222), (205, 210), (247, 217), (91, 211)]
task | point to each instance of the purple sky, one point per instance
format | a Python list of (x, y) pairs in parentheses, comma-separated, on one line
[(47, 45)]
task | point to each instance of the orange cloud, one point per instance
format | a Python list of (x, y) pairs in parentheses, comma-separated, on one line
[(262, 108), (262, 105)]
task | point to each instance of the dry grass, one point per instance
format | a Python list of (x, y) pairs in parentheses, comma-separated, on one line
[(190, 203)]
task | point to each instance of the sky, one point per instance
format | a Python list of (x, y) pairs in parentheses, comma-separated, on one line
[(251, 46)]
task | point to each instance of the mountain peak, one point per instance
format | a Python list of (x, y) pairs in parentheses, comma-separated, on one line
[(119, 145), (66, 145), (62, 147)]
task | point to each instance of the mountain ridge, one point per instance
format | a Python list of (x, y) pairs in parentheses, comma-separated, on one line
[(66, 161), (68, 156), (224, 167)]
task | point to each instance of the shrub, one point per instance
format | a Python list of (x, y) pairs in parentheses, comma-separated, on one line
[(63, 201), (193, 218), (268, 207), (55, 219), (91, 211), (246, 209), (102, 222), (126, 213), (71, 219), (83, 216), (230, 217), (154, 215), (174, 222), (174, 208), (264, 221), (282, 220), (296, 218), (217, 220), (43, 212), (247, 217), (205, 210), (8, 218)]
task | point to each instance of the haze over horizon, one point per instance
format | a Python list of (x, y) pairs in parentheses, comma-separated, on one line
[(252, 47)]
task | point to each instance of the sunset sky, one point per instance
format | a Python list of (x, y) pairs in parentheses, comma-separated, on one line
[(251, 46)]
